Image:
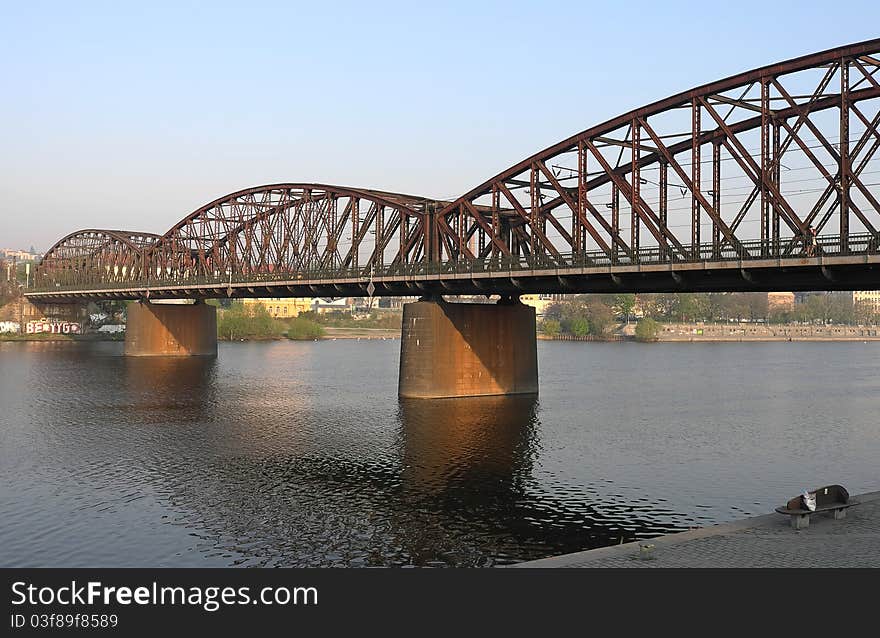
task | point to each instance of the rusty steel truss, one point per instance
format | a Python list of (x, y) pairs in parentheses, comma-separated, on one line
[(774, 168)]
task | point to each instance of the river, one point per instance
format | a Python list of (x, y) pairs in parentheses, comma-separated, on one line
[(300, 454)]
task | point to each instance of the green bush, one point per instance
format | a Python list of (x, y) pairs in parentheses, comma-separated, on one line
[(550, 327), (247, 322), (302, 328), (647, 330), (580, 327)]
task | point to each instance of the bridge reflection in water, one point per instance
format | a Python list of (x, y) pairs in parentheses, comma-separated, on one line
[(452, 482)]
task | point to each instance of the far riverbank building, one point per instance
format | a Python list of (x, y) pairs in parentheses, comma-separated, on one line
[(282, 307)]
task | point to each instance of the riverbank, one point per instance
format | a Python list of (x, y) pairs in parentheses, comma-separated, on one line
[(62, 337), (361, 333), (329, 335), (603, 339), (766, 332), (762, 541), (734, 333)]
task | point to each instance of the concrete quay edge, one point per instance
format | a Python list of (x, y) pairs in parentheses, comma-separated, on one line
[(583, 558)]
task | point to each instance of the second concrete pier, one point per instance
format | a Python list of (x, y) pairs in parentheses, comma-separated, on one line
[(467, 349), (170, 329)]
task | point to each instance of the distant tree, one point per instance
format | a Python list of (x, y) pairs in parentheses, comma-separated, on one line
[(665, 306), (580, 327), (554, 311), (758, 305), (550, 327), (570, 311), (864, 314), (780, 315), (841, 309), (625, 304), (8, 288), (262, 324), (647, 329), (692, 306), (648, 302), (600, 317)]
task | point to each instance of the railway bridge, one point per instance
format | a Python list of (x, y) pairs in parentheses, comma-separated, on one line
[(767, 180)]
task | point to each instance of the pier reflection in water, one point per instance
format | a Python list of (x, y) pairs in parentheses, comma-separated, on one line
[(300, 453), (269, 456)]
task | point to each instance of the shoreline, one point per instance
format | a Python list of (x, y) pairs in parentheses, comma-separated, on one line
[(361, 333), (737, 333), (673, 334), (56, 338), (766, 540), (791, 339)]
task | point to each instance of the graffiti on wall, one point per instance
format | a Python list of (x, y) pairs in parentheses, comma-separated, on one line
[(52, 327)]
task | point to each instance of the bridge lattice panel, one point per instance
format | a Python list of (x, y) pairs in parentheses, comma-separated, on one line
[(742, 166)]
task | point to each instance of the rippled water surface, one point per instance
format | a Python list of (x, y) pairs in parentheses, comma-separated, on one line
[(300, 454)]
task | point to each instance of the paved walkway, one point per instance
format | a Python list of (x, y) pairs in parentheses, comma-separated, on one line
[(763, 541)]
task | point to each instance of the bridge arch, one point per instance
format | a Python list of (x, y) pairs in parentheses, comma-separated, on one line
[(294, 228), (94, 256), (727, 164)]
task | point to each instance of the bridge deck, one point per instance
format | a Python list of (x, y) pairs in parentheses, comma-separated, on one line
[(833, 272)]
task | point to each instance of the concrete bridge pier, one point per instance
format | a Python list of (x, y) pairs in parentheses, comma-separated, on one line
[(467, 349), (170, 329)]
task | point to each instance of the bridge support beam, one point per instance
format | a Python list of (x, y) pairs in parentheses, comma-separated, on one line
[(171, 330), (466, 349)]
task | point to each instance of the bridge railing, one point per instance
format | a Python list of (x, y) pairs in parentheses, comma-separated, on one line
[(789, 248)]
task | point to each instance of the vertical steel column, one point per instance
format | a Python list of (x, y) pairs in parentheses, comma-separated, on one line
[(355, 231), (333, 224), (308, 226), (615, 222), (635, 189), (379, 249), (579, 233), (845, 168), (716, 198), (496, 222), (765, 165), (664, 203), (404, 238), (533, 213), (776, 177), (695, 178), (432, 238), (460, 232)]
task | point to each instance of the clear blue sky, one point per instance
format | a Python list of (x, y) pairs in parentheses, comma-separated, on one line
[(130, 115)]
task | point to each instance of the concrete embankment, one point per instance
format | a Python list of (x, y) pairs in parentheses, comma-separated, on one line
[(765, 332), (361, 333), (762, 541)]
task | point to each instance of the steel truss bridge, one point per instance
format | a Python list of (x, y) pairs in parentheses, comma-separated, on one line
[(767, 180)]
